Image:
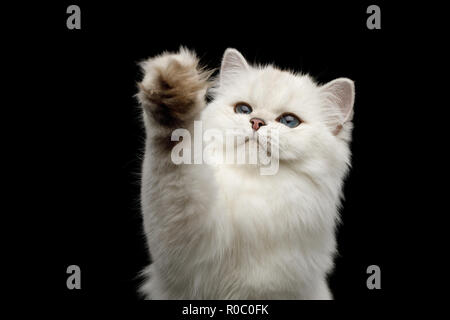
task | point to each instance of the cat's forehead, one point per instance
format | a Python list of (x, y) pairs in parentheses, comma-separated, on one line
[(277, 90)]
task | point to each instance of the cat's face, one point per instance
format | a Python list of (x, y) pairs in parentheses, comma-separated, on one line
[(310, 120)]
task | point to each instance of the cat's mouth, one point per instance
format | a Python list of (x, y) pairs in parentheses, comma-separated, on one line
[(264, 142), (253, 136)]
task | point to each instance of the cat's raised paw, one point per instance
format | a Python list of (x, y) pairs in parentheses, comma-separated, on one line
[(174, 87)]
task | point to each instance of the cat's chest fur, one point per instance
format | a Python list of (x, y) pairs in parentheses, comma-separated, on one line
[(245, 193), (268, 211), (267, 240)]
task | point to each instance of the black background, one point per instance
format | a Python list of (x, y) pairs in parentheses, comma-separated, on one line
[(85, 135)]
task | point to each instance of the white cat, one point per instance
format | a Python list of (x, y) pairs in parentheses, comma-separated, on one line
[(228, 232)]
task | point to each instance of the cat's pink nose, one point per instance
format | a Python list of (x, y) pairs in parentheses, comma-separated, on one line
[(257, 123)]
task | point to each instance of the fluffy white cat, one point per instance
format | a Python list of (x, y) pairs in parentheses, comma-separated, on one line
[(227, 231)]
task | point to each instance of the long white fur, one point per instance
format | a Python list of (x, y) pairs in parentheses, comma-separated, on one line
[(227, 232)]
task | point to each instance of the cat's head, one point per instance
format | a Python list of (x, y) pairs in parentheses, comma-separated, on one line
[(313, 121)]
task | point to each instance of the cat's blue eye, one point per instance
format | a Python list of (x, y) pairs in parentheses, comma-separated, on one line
[(242, 108), (289, 120)]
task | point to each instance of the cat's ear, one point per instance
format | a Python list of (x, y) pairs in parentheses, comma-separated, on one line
[(233, 63), (340, 97)]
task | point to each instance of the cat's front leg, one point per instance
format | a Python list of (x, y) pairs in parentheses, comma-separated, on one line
[(172, 95), (176, 198)]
